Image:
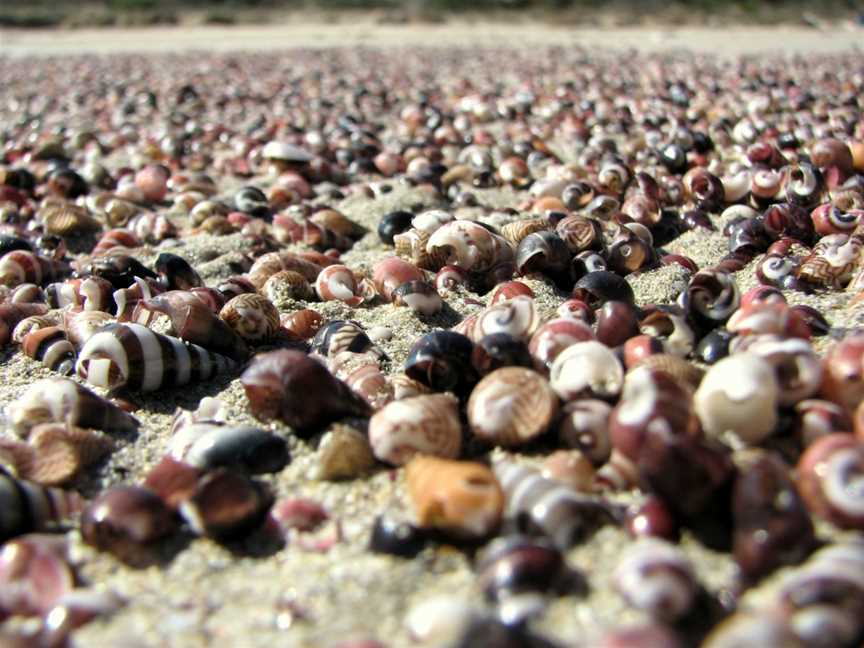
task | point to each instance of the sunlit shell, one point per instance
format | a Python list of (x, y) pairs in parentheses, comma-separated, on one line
[(586, 368), (517, 230), (427, 424), (252, 316), (338, 282), (518, 317), (343, 453), (511, 406), (61, 451), (67, 218), (458, 497), (469, 245), (269, 264)]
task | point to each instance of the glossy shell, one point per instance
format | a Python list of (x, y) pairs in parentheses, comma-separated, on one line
[(586, 369), (426, 424)]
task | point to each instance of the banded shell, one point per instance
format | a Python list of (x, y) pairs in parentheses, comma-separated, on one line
[(269, 264), (134, 357), (338, 336), (81, 326), (61, 400), (12, 314), (517, 230), (511, 406), (461, 498), (338, 282), (426, 424), (50, 346), (61, 451), (252, 316), (832, 262), (31, 507), (412, 245), (586, 369)]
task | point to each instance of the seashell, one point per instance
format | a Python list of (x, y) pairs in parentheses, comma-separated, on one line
[(394, 223), (245, 448), (628, 253), (544, 253), (26, 294), (277, 151), (843, 372), (616, 322), (35, 574), (419, 296), (67, 219), (209, 410), (269, 264), (412, 245), (772, 526), (173, 481), (650, 401), (570, 467), (739, 395), (340, 335), (754, 628), (511, 406), (338, 282), (251, 316), (134, 357), (176, 272), (535, 504), (586, 369), (827, 473), (518, 230), (832, 262), (577, 195), (126, 299), (518, 317), (75, 609), (343, 453), (449, 277), (287, 285), (797, 368), (441, 360), (61, 451), (151, 227), (152, 180), (251, 200), (31, 507), (237, 285), (655, 576), (226, 505), (514, 565), (338, 222), (360, 371), (304, 323), (426, 424), (31, 324), (768, 318), (392, 272), (600, 286), (554, 336), (711, 297), (686, 375), (829, 219), (468, 245), (653, 519), (121, 270), (277, 385), (499, 350), (61, 400), (91, 293), (442, 620), (405, 387), (12, 314), (79, 327), (461, 498), (815, 418), (396, 537), (584, 426), (22, 266), (639, 347), (50, 346), (670, 326)]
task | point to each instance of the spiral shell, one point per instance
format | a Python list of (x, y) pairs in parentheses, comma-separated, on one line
[(31, 507), (461, 498), (469, 245), (832, 262), (441, 360), (269, 264), (412, 245), (50, 346), (12, 314), (843, 372), (796, 366), (511, 406), (828, 473), (92, 293), (81, 326), (252, 316), (518, 317), (133, 356), (585, 369), (337, 282), (339, 335), (517, 230), (426, 424), (30, 324), (655, 576)]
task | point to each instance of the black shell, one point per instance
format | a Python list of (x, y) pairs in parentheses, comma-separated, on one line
[(515, 564), (252, 201), (396, 537), (441, 360), (176, 272), (500, 350), (714, 346), (600, 286), (392, 224), (120, 269), (545, 253)]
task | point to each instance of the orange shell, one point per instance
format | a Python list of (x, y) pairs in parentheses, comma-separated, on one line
[(461, 497)]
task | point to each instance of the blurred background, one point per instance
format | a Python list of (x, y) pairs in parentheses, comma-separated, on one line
[(31, 14)]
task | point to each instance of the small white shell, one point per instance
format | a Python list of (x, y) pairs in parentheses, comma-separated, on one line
[(584, 369), (739, 394), (427, 424)]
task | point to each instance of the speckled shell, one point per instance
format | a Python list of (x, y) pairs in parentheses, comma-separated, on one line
[(739, 394), (518, 317), (586, 368), (343, 453), (133, 356), (458, 497), (252, 316), (655, 576), (62, 400), (427, 424), (511, 406), (62, 450), (31, 507), (832, 262), (469, 245), (269, 264), (537, 504)]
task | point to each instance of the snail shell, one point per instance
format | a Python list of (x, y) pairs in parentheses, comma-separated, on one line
[(30, 324), (31, 507), (343, 453), (828, 473), (269, 264), (67, 219), (426, 424), (441, 360), (469, 245), (62, 400), (390, 273), (832, 262), (176, 272), (739, 394), (92, 293), (584, 425), (711, 297), (21, 266), (797, 368), (555, 335), (536, 503), (586, 369), (754, 628), (340, 335), (843, 372), (518, 317), (763, 317), (304, 323), (655, 576), (60, 451), (511, 406), (12, 314), (518, 230), (251, 316), (461, 498), (419, 296), (208, 446), (337, 282), (81, 326), (361, 373), (413, 246), (516, 564), (50, 346), (133, 356)]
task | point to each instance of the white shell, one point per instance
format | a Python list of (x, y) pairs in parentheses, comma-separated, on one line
[(586, 368), (283, 151), (426, 424), (739, 394), (796, 365)]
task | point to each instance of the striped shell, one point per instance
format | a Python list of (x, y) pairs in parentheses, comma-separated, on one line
[(133, 356), (285, 285), (685, 373), (252, 316), (12, 314), (32, 323), (511, 406), (517, 230), (269, 264), (50, 346), (362, 373), (81, 326), (469, 245), (31, 507), (462, 498), (832, 262), (65, 218), (412, 245), (61, 451), (427, 424)]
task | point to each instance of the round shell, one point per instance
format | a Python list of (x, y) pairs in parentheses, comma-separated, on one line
[(511, 406), (252, 316), (427, 424), (586, 368)]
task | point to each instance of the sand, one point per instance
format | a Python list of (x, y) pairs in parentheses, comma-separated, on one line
[(242, 595)]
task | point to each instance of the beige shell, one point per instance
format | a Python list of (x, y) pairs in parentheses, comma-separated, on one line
[(405, 387), (427, 424), (518, 316), (584, 369), (460, 497), (61, 451), (361, 372), (252, 316), (411, 245), (337, 222), (343, 453), (286, 285), (269, 264), (686, 374), (32, 323), (511, 406), (517, 230), (67, 218)]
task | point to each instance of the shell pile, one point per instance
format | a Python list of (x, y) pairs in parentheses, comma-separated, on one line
[(591, 320)]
